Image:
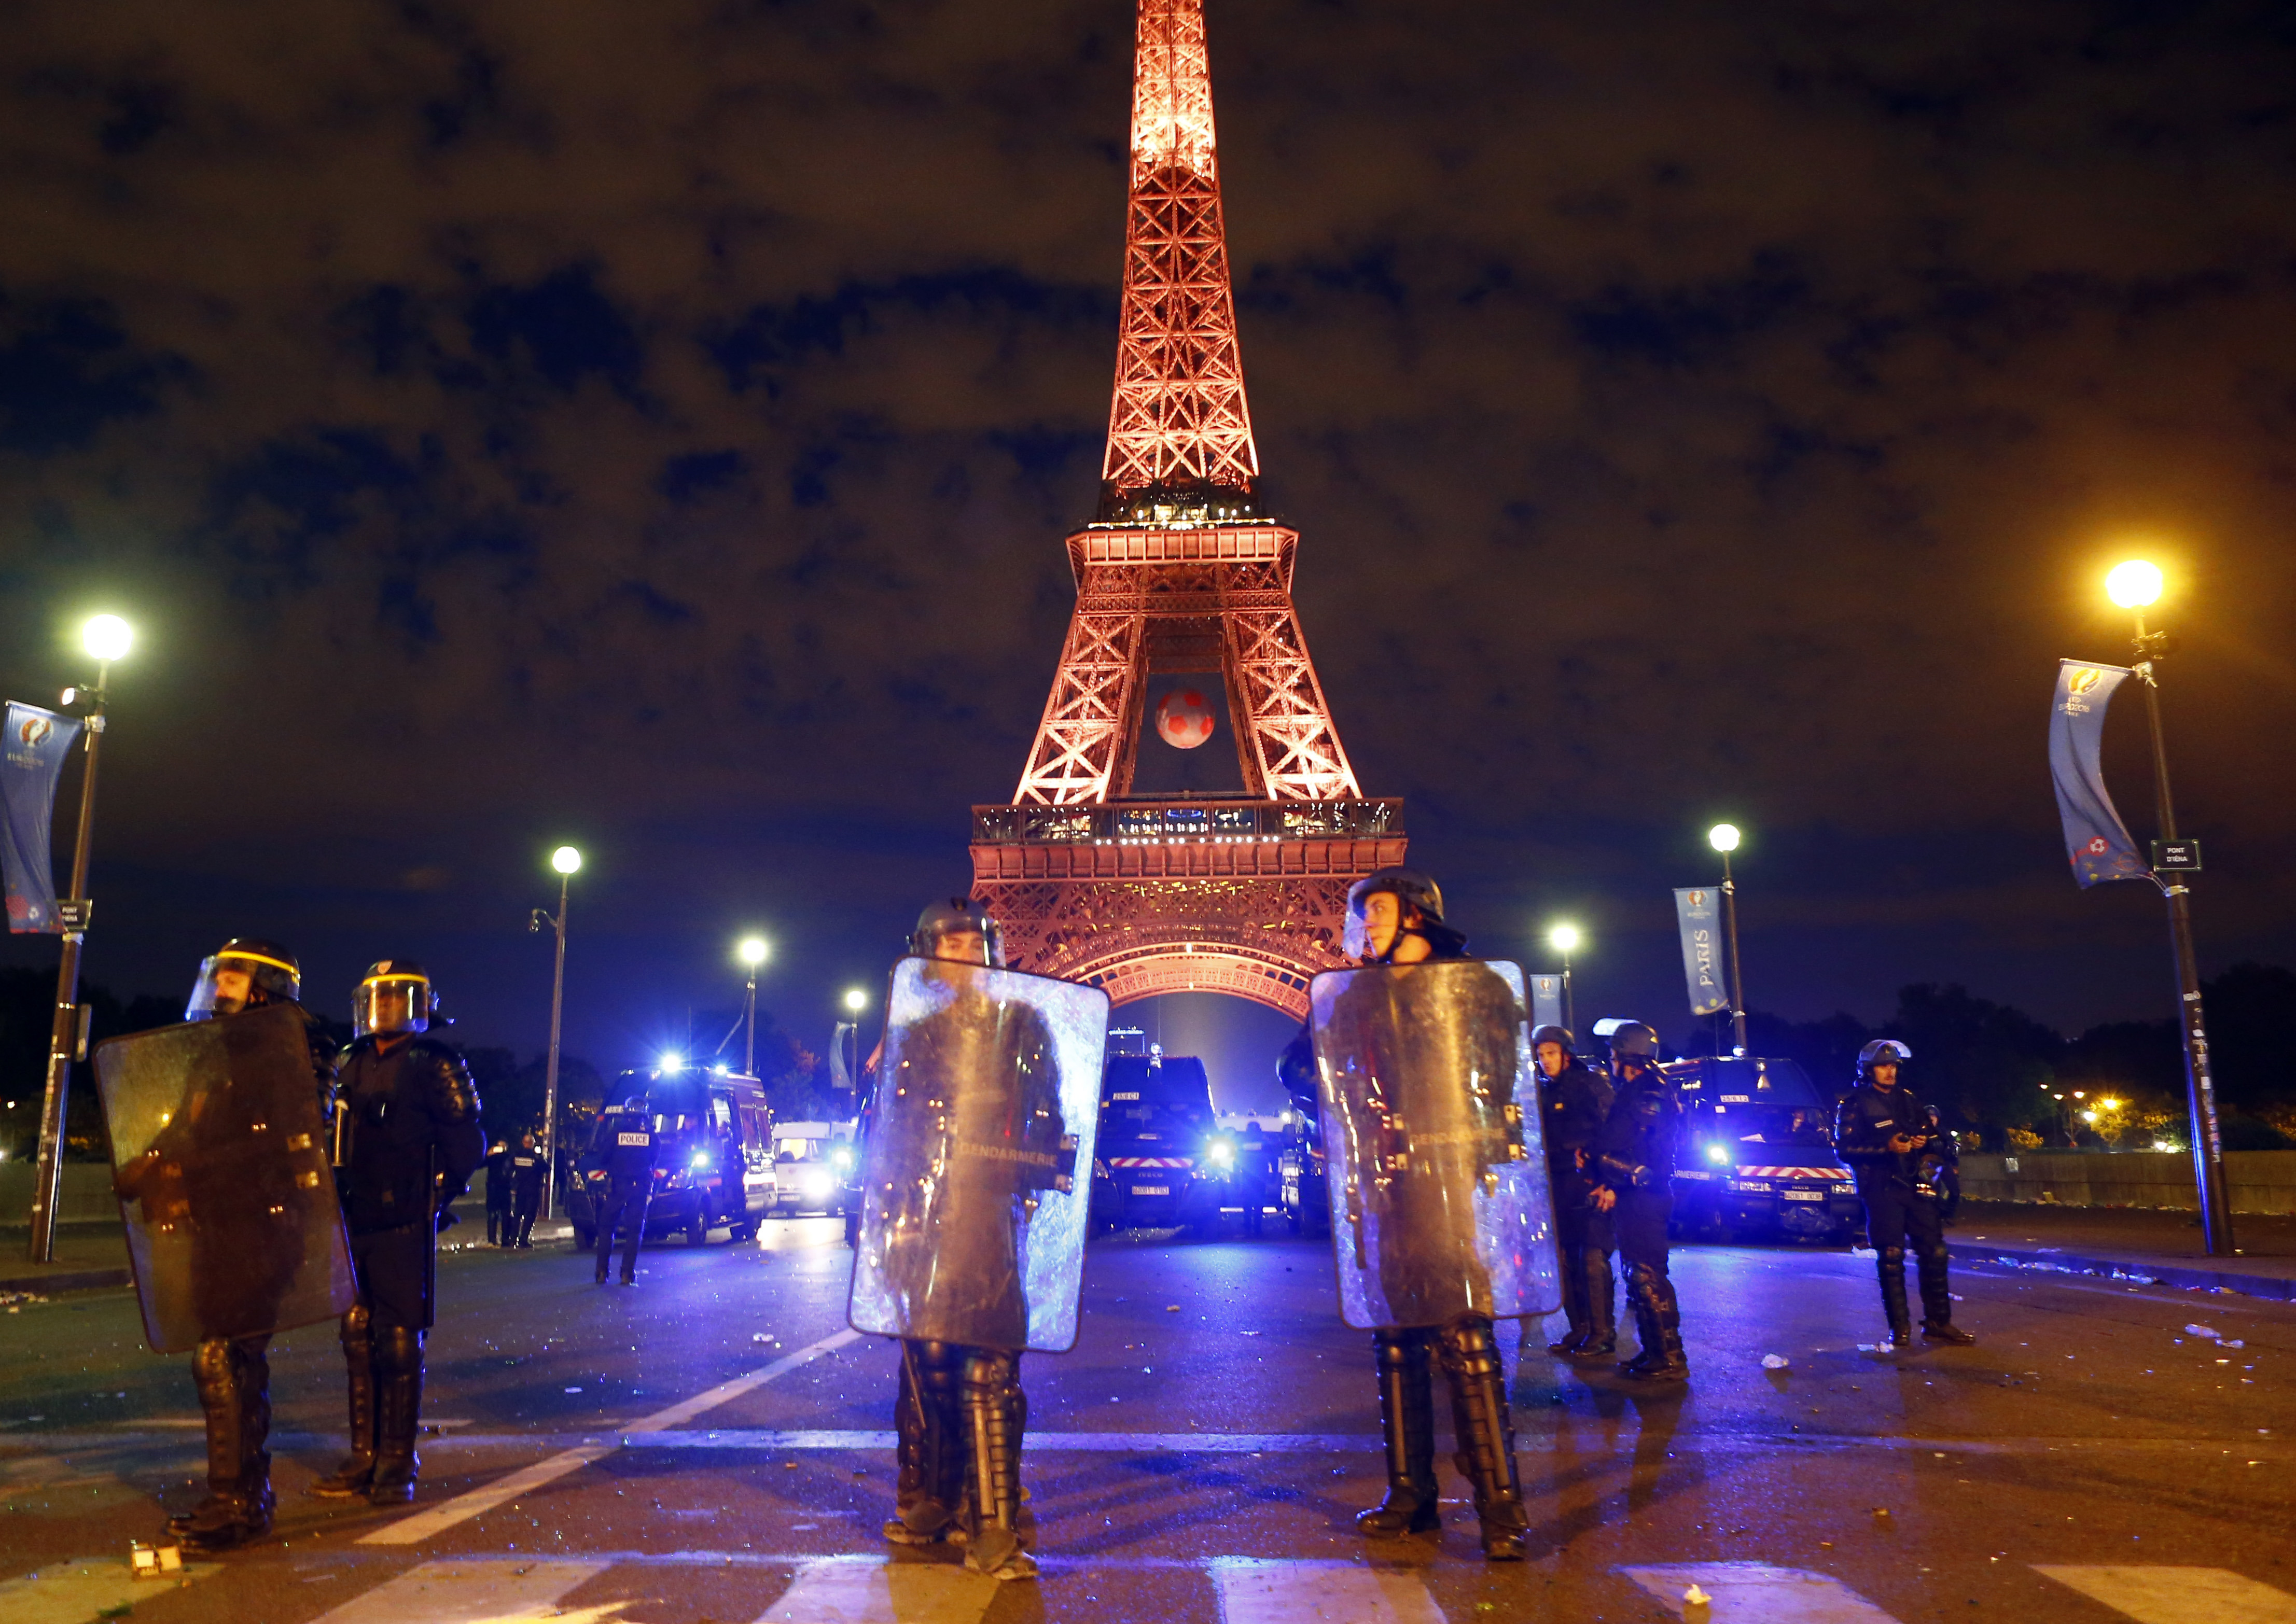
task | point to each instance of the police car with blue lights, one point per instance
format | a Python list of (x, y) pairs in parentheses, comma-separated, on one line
[(713, 1137), (1757, 1154)]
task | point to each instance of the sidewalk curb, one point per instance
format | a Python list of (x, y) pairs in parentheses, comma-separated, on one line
[(2265, 1286), (71, 1280)]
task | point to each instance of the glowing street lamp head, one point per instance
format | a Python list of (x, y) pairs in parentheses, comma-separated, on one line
[(107, 638), (566, 859), (753, 950), (1563, 939), (2133, 585), (855, 1000), (1723, 837)]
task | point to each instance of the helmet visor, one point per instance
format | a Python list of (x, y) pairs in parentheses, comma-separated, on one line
[(391, 1004), (230, 983)]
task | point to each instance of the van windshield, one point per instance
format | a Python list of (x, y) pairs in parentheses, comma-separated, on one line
[(1140, 1097)]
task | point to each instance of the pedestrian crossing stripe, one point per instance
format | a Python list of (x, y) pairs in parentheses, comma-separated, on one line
[(1756, 1593), (74, 1592), (1270, 1592), (871, 1590), (2178, 1596)]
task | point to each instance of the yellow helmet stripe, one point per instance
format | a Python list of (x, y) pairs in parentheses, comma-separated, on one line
[(375, 979), (259, 959)]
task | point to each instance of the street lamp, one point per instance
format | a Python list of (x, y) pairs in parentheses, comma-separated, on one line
[(1564, 939), (855, 1000), (567, 862), (848, 1034), (753, 951), (2136, 586), (106, 638), (1724, 839)]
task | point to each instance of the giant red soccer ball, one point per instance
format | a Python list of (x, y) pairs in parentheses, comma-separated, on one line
[(1184, 718)]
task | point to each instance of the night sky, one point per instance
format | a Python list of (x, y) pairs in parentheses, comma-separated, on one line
[(654, 427)]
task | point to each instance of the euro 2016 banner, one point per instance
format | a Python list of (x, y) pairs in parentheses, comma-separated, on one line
[(1546, 1001), (33, 758), (2097, 842), (1696, 907)]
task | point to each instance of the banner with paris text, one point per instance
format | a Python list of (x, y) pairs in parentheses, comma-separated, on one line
[(1698, 909)]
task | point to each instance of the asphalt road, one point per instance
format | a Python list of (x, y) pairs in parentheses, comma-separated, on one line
[(712, 1445)]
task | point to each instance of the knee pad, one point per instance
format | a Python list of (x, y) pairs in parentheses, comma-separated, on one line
[(211, 1366), (1395, 1351), (357, 1327), (1936, 1254), (1643, 1277), (1894, 1256), (988, 1373), (398, 1351)]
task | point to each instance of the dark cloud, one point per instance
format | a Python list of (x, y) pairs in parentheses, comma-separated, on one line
[(656, 428)]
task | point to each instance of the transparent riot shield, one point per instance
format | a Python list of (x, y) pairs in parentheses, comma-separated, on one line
[(1439, 1198), (978, 1170), (220, 1163)]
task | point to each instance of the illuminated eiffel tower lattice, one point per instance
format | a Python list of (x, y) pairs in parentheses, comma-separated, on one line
[(1180, 573)]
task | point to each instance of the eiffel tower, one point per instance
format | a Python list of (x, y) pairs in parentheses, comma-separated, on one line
[(1181, 572)]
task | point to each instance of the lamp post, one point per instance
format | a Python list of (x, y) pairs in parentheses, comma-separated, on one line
[(753, 951), (567, 861), (106, 638), (1564, 940), (849, 1029), (2136, 586), (1724, 839)]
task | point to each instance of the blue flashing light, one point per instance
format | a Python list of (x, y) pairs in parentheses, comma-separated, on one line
[(1718, 1155), (672, 1060)]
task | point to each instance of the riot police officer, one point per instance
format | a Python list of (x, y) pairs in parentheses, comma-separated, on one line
[(232, 1376), (959, 1412), (1573, 1101), (1902, 1160), (1632, 1160), (499, 1231), (408, 1140), (624, 1142), (1396, 917), (526, 1171)]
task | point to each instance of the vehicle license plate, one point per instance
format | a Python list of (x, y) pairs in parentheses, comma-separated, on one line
[(1804, 1195), (1151, 1189)]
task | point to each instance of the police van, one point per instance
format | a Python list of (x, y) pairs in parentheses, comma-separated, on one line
[(713, 1164), (1158, 1161), (1755, 1156)]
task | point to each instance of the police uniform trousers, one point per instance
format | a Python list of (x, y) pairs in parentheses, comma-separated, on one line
[(625, 1202), (1583, 1241), (1481, 1429), (232, 1376), (382, 1353), (1638, 1222), (959, 1417), (525, 1208), (1897, 1214)]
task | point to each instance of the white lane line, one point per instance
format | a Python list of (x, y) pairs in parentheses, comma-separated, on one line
[(2178, 1596), (425, 1524), (94, 1588), (1756, 1593), (871, 1590), (1255, 1592), (475, 1590), (1122, 1443)]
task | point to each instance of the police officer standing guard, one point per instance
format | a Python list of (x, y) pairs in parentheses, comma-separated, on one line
[(1573, 1102), (1894, 1145), (233, 1376), (526, 1171), (408, 1140), (499, 1231), (1632, 1160), (625, 1140)]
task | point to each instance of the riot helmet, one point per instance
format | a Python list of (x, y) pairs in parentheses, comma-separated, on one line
[(245, 972), (1881, 1052), (395, 996), (1411, 890), (1551, 1033), (956, 917), (1635, 1041)]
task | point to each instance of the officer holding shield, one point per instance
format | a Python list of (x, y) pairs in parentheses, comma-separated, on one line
[(1573, 1101), (230, 1284), (1420, 1071), (408, 1140), (1902, 1160), (968, 1135)]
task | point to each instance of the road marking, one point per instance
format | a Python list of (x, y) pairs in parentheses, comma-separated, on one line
[(74, 1592), (871, 1590), (1088, 1443), (1756, 1593), (425, 1524), (1255, 1592), (476, 1591), (2178, 1596)]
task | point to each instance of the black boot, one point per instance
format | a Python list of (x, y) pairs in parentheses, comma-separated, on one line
[(928, 1419), (1603, 1326), (398, 1415), (1937, 1301), (237, 1412), (1574, 1305), (994, 1544), (1891, 1262), (351, 1477), (1486, 1436), (1406, 1420), (1657, 1314)]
